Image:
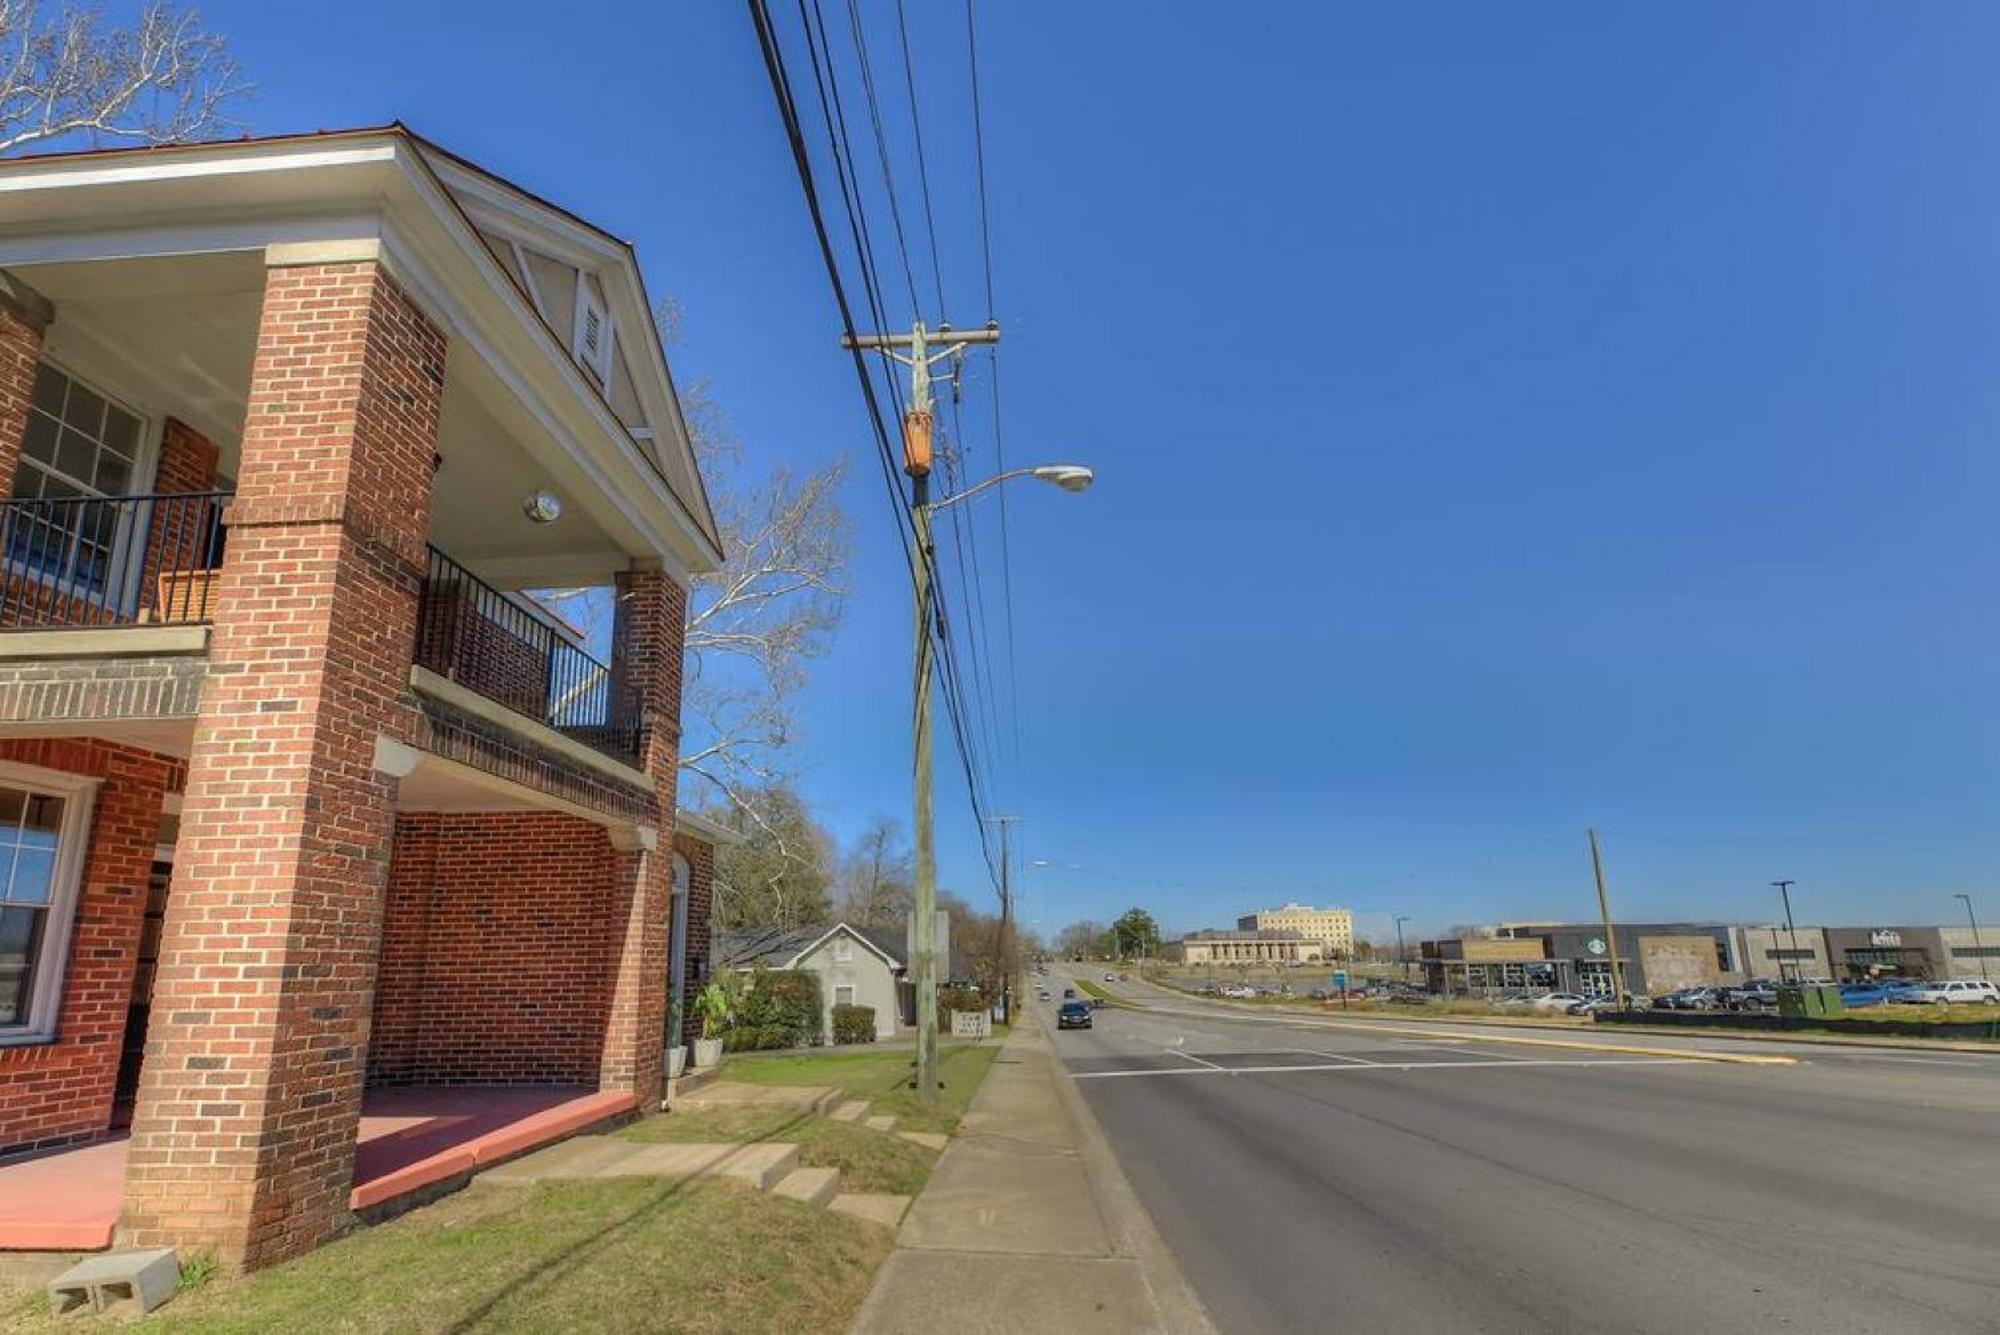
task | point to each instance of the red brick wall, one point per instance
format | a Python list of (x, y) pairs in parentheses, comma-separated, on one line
[(243, 1138), (181, 530), (496, 966), (20, 353), (61, 1091)]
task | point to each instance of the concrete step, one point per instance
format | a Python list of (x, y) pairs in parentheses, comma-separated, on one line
[(813, 1186), (874, 1207), (760, 1165), (579, 1156), (930, 1140), (853, 1110), (882, 1122), (741, 1094)]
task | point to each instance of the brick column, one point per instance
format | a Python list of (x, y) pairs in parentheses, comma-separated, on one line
[(646, 651), (243, 1140), (24, 314)]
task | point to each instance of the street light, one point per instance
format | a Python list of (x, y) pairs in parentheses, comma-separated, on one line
[(917, 463), (1402, 955), (1785, 889), (1977, 949)]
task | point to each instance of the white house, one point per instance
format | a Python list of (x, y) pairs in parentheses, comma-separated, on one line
[(855, 966)]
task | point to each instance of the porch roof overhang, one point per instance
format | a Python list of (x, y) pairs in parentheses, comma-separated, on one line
[(385, 192)]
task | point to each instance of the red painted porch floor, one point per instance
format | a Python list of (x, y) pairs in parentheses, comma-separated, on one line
[(68, 1200)]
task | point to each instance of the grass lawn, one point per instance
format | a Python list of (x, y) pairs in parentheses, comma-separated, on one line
[(627, 1254), (882, 1078), (867, 1160)]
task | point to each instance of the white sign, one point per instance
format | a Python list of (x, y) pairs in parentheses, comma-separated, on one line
[(1885, 936), (1594, 946), (971, 1024)]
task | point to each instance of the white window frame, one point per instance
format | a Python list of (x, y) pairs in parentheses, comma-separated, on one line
[(848, 988), (79, 795), (843, 949), (128, 555), (587, 304)]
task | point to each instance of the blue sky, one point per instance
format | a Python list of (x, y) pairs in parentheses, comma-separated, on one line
[(1508, 420)]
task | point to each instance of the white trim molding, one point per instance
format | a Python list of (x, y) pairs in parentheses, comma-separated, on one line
[(79, 794)]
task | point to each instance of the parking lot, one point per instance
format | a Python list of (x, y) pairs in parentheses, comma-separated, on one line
[(1311, 1171)]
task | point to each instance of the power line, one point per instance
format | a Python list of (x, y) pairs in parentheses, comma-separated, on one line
[(881, 143), (923, 171)]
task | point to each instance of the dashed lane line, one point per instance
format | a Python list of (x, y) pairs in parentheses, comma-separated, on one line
[(1510, 1063)]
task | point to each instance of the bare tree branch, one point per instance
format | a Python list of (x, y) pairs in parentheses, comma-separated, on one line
[(163, 80)]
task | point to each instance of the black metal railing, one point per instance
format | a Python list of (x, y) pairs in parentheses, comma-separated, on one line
[(471, 633), (109, 560)]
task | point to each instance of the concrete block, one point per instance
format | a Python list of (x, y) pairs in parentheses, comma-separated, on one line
[(870, 1207), (882, 1122), (851, 1111), (930, 1140), (127, 1283), (760, 1165), (812, 1186)]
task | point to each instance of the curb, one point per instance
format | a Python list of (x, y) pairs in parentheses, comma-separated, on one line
[(1173, 1297)]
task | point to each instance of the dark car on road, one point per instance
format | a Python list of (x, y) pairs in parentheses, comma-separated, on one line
[(1073, 1015)]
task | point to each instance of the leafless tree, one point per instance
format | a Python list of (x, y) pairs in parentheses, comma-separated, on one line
[(877, 877), (163, 80), (755, 623)]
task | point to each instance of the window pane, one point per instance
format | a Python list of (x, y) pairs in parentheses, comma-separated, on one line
[(34, 869), (20, 943), (44, 818), (12, 800), (76, 454), (49, 386), (40, 442), (121, 431), (85, 411), (113, 473)]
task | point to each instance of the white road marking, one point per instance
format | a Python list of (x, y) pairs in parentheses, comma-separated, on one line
[(1337, 1056), (1178, 1052), (1210, 1068)]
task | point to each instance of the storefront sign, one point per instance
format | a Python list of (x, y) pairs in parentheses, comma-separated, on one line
[(1885, 936)]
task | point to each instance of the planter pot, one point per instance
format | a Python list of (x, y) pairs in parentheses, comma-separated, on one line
[(707, 1053), (677, 1060)]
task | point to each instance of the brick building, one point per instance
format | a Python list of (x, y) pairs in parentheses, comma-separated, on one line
[(307, 810)]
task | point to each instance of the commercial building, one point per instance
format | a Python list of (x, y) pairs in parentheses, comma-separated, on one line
[(309, 812), (1332, 928), (1972, 952), (1245, 947)]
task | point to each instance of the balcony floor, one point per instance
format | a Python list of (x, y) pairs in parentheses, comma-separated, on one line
[(411, 1137)]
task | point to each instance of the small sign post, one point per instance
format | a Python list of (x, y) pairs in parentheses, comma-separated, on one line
[(1340, 986)]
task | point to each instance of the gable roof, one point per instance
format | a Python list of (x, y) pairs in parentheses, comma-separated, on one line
[(404, 177), (784, 947)]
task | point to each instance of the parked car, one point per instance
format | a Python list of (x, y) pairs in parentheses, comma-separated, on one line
[(1691, 999), (1241, 991), (1073, 1015), (1557, 1001), (1956, 992), (1592, 1005)]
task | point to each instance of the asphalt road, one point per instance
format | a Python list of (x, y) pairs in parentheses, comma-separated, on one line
[(1312, 1176)]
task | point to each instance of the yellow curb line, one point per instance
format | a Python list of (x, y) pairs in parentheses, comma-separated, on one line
[(1692, 1054)]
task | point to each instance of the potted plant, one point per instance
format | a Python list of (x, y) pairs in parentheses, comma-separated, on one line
[(713, 1006)]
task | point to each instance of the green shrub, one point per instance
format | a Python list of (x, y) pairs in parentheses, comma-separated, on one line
[(779, 1008), (957, 999), (853, 1024)]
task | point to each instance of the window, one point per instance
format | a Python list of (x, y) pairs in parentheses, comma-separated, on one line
[(843, 994), (42, 820), (78, 444), (843, 950), (1976, 952)]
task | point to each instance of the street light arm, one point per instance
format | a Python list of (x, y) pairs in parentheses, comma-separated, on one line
[(1070, 477)]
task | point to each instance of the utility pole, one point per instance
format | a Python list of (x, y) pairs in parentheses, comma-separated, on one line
[(917, 463), (1402, 955), (1610, 932), (1006, 922), (1977, 949), (1785, 889)]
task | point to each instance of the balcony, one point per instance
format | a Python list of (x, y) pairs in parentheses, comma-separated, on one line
[(494, 645), (85, 561)]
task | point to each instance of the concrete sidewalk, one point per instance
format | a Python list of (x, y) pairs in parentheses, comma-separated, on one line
[(1028, 1222)]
